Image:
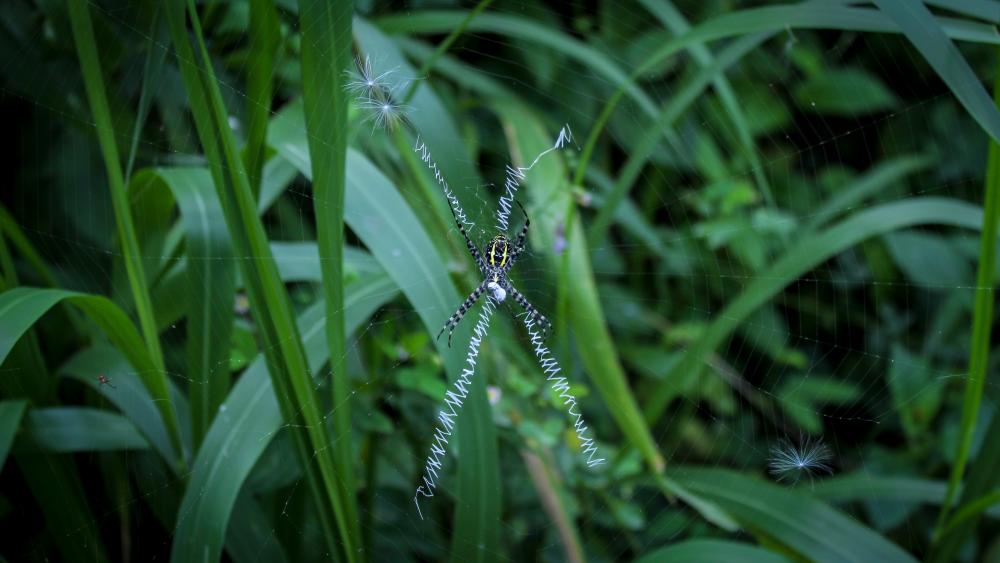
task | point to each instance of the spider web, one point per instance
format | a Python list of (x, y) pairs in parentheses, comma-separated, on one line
[(864, 352)]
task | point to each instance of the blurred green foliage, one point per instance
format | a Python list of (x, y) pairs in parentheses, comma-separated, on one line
[(776, 223)]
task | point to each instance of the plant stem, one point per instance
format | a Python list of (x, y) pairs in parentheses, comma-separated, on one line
[(443, 47), (982, 324)]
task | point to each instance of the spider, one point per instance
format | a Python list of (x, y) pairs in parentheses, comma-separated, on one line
[(500, 256)]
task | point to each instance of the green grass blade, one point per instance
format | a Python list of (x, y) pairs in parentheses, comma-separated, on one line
[(428, 64), (972, 510), (810, 528), (711, 550), (807, 15), (73, 429), (20, 308), (982, 323), (210, 285), (57, 488), (86, 46), (875, 180), (15, 235), (804, 256), (10, 420), (671, 17), (251, 419), (443, 21), (129, 395), (927, 35), (643, 150), (326, 57), (269, 301), (152, 71), (982, 9), (381, 218), (251, 535), (264, 40), (984, 476)]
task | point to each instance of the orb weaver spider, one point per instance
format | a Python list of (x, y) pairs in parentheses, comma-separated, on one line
[(500, 256)]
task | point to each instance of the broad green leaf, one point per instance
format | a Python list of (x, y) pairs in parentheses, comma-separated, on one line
[(86, 47), (873, 181), (247, 421), (282, 346), (711, 551), (127, 393), (809, 527), (20, 308), (932, 40), (431, 118), (10, 421), (928, 260), (844, 92), (326, 58), (74, 429), (264, 41), (251, 535), (208, 284)]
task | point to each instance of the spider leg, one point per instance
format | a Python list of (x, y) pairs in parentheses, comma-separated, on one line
[(462, 309), (480, 263), (530, 309), (522, 235)]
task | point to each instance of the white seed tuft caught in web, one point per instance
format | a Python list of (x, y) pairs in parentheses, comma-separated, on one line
[(791, 462), (367, 84), (384, 114)]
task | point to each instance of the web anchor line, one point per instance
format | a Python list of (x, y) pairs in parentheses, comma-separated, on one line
[(549, 365), (453, 401), (515, 175)]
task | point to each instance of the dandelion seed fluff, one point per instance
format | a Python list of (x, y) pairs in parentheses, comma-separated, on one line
[(790, 462)]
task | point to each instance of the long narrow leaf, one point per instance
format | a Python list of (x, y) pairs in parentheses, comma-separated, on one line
[(10, 421), (982, 325), (86, 46), (809, 527), (326, 57), (250, 419), (269, 301), (931, 40), (20, 308), (73, 429)]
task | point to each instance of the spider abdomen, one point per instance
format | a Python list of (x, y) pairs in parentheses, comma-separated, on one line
[(498, 251)]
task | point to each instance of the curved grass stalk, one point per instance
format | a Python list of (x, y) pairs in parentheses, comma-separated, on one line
[(982, 324), (86, 46)]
